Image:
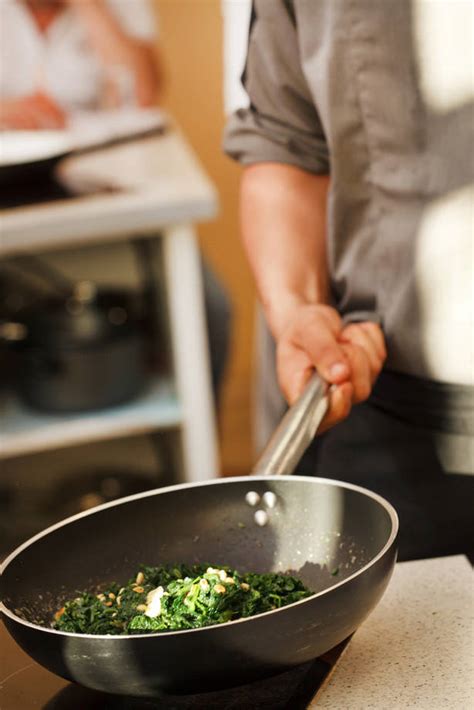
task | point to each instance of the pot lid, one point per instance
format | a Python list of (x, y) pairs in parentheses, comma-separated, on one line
[(78, 321)]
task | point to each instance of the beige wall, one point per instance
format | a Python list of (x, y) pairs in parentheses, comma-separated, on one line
[(191, 44)]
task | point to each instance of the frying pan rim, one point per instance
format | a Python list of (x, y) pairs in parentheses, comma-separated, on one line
[(185, 486)]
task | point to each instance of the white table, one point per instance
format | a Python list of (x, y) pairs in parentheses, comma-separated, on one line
[(415, 650), (163, 192)]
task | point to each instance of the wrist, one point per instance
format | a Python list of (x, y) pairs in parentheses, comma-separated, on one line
[(281, 312)]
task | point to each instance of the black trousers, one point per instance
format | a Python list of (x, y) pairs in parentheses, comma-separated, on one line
[(399, 458)]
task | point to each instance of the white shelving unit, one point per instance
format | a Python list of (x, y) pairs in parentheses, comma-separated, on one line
[(161, 191), (25, 431)]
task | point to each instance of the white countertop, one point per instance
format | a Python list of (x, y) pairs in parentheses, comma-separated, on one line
[(416, 649), (160, 183)]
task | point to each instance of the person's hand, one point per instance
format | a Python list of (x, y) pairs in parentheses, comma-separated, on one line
[(31, 113), (348, 357)]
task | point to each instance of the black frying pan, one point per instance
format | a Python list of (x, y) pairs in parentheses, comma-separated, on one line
[(338, 538)]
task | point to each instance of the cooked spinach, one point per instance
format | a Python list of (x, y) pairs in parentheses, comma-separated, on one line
[(177, 597)]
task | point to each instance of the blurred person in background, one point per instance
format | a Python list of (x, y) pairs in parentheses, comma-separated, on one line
[(60, 56), (64, 56), (357, 196)]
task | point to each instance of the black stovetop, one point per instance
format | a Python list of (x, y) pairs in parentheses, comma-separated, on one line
[(25, 685)]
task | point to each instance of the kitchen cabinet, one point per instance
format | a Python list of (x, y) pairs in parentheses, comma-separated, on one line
[(156, 190)]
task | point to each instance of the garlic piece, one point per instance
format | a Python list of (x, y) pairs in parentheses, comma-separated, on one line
[(153, 602)]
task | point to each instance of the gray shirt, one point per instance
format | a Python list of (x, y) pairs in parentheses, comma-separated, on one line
[(378, 93)]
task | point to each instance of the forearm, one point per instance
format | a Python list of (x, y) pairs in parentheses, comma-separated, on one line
[(283, 217)]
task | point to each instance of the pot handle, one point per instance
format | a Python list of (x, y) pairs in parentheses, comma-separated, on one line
[(300, 423)]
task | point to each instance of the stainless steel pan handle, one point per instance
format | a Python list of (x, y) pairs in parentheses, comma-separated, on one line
[(295, 431), (300, 423)]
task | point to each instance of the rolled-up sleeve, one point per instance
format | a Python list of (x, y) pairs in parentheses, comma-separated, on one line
[(281, 124)]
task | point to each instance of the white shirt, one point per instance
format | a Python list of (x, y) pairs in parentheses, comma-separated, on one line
[(60, 60)]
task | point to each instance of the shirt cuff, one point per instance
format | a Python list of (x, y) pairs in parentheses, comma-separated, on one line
[(252, 138)]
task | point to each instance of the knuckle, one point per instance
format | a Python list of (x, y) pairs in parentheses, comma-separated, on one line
[(330, 315), (350, 330), (370, 326)]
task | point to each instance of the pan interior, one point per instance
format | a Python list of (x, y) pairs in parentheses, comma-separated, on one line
[(322, 532)]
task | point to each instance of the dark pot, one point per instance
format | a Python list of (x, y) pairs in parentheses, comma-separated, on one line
[(81, 353)]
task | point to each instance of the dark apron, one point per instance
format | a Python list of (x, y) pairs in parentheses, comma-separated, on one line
[(413, 443)]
